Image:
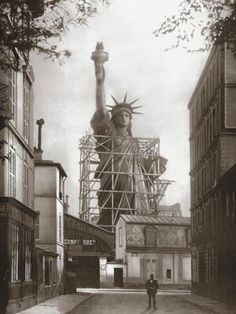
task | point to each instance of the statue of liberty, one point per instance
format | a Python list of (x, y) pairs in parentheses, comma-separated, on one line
[(122, 169)]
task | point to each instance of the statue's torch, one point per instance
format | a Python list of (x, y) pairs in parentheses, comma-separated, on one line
[(99, 56)]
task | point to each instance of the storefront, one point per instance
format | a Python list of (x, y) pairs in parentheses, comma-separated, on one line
[(17, 271), (87, 248)]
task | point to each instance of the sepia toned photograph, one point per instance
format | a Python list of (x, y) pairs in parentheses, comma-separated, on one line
[(117, 156)]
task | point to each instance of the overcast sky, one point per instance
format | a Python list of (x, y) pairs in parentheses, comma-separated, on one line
[(164, 81)]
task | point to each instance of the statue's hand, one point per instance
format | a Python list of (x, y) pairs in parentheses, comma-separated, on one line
[(100, 73)]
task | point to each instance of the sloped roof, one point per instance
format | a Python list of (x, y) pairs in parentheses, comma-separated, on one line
[(162, 220)]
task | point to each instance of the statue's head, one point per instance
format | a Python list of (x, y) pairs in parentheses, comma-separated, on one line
[(121, 117), (121, 113)]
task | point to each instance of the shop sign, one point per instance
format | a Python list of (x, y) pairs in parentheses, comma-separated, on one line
[(83, 242)]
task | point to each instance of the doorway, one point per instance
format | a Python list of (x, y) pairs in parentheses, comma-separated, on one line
[(83, 272), (118, 277)]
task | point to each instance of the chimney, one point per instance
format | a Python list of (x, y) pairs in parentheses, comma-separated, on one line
[(38, 151)]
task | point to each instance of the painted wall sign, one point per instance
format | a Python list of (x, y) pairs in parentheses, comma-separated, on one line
[(84, 242)]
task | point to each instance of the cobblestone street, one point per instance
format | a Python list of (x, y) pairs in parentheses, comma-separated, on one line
[(112, 303)]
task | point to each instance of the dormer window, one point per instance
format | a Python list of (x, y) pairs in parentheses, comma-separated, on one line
[(150, 236)]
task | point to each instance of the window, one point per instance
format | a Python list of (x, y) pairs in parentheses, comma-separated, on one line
[(15, 232), (120, 236), (197, 187), (214, 264), (203, 180), (26, 183), (198, 109), (150, 237), (198, 148), (233, 206), (214, 122), (26, 110), (28, 254), (55, 275), (47, 270), (12, 172), (201, 266), (203, 102), (208, 95), (208, 132), (168, 274), (37, 227), (12, 77), (211, 127), (213, 76), (200, 183), (214, 169), (61, 186), (60, 229), (205, 136)]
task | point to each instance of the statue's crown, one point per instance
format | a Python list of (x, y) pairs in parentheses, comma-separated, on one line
[(127, 106)]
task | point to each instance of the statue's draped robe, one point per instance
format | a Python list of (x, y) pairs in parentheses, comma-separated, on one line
[(121, 170)]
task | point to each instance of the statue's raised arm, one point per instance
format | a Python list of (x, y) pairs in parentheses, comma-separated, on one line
[(99, 56)]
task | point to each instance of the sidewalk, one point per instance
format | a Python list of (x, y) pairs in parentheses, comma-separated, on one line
[(206, 304), (123, 290), (62, 304)]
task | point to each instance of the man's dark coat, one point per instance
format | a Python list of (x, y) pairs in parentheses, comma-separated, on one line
[(151, 286)]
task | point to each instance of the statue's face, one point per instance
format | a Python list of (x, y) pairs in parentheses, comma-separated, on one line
[(122, 119)]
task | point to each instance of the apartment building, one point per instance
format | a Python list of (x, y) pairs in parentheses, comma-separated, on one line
[(213, 156)]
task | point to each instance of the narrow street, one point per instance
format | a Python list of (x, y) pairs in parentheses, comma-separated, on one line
[(126, 303)]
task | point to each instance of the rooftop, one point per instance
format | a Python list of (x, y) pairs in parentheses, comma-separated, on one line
[(50, 163), (162, 220)]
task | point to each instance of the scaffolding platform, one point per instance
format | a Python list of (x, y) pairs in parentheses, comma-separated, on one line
[(114, 182)]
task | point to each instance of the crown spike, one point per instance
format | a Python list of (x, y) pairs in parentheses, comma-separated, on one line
[(115, 100), (137, 107), (124, 101), (132, 102)]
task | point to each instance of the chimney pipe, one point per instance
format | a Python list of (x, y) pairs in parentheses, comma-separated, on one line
[(38, 151)]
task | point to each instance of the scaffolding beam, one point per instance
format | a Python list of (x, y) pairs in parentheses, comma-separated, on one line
[(115, 199)]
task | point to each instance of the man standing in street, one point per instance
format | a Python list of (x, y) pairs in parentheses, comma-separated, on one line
[(152, 286)]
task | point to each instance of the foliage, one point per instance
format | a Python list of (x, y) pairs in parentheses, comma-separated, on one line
[(27, 25), (212, 20)]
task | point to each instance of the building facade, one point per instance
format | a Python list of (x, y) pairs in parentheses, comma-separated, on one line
[(49, 196), (169, 210), (212, 154), (17, 282), (88, 248), (146, 245)]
